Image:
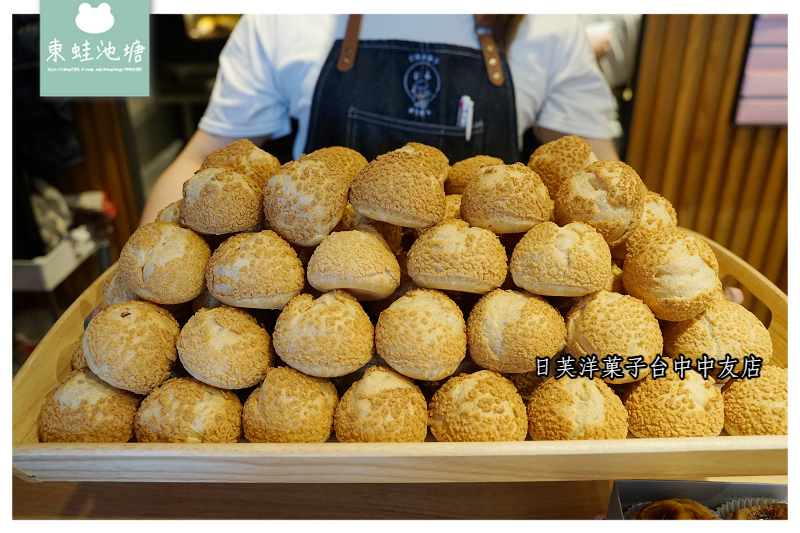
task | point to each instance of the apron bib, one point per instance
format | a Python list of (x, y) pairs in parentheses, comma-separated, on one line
[(402, 91)]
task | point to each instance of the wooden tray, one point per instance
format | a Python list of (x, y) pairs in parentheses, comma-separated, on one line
[(428, 462)]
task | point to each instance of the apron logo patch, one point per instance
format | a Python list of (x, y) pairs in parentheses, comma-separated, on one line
[(422, 83)]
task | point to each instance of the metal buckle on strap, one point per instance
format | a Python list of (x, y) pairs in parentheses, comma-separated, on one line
[(347, 55), (491, 55)]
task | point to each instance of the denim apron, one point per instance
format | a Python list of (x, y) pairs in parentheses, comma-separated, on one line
[(401, 91)]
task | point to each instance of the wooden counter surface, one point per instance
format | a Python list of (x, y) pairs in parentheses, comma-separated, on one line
[(584, 500)]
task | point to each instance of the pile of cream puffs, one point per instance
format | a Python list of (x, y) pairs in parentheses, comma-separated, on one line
[(407, 298)]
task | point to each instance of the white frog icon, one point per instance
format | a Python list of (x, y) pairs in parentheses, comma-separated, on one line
[(94, 20)]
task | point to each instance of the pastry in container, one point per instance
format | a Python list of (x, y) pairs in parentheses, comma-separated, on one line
[(557, 160), (206, 300), (569, 260), (508, 331), (84, 408), (186, 410), (577, 408), (607, 195), (244, 157), (399, 188), (674, 272), (422, 335), (453, 256), (658, 214), (452, 210), (673, 509), (357, 260), (392, 234), (758, 405), (164, 263), (117, 292), (219, 201), (478, 407), (290, 406), (461, 172), (754, 509), (225, 347), (527, 382), (506, 199), (255, 270), (171, 213), (609, 325), (327, 336), (673, 406), (723, 330), (78, 359), (349, 160), (132, 345), (304, 199), (382, 406), (434, 158)]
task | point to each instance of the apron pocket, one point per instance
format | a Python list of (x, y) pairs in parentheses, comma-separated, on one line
[(372, 135)]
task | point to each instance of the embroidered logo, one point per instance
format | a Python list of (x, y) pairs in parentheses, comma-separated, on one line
[(422, 82)]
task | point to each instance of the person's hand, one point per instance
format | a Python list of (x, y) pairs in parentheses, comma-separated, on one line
[(601, 44)]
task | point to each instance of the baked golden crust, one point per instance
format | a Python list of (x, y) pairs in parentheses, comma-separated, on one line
[(607, 195), (422, 335), (767, 511), (432, 156), (382, 406), (350, 161), (290, 406), (225, 347), (357, 260), (572, 260), (391, 233), (723, 328), (674, 509), (116, 292), (78, 360), (461, 172), (218, 201), (611, 324), (164, 263), (576, 409), (674, 272), (507, 331), (525, 382), (327, 336), (255, 270), (506, 199), (398, 188), (478, 407), (454, 256), (658, 214), (246, 158), (187, 410), (171, 213), (452, 211), (304, 199), (759, 405), (84, 408), (669, 406), (557, 160), (132, 345)]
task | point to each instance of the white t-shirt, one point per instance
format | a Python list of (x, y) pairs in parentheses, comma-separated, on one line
[(269, 67)]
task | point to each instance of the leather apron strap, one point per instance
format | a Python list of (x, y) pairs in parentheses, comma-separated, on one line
[(491, 55), (347, 57)]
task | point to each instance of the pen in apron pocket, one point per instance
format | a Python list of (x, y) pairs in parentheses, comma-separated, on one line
[(465, 111)]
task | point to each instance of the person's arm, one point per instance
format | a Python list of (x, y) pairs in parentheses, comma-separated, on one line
[(604, 149), (169, 185)]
